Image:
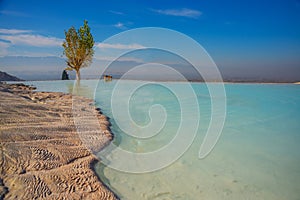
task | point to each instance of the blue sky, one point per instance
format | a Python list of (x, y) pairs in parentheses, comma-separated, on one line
[(247, 39)]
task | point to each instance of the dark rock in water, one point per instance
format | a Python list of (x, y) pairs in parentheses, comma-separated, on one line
[(65, 75), (7, 77)]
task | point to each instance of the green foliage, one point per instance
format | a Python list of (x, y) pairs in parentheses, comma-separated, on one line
[(78, 47)]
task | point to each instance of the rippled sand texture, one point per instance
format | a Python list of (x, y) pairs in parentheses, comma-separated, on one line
[(42, 156)]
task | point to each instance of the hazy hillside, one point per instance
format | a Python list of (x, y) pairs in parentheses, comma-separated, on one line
[(7, 77)]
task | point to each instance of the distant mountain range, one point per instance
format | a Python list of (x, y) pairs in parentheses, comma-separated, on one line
[(7, 77)]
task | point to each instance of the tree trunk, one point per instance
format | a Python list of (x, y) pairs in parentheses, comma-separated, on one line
[(78, 75), (77, 85)]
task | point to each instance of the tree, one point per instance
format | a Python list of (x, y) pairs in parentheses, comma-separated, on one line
[(78, 48)]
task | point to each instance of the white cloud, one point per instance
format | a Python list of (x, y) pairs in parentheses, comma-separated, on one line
[(25, 37), (3, 48), (4, 44), (131, 59), (31, 54), (122, 59), (18, 37), (184, 12), (120, 46), (32, 40), (13, 31), (120, 25), (116, 12)]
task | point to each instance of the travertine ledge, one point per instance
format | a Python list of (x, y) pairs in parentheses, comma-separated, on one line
[(42, 156)]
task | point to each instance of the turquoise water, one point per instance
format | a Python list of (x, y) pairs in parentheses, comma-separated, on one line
[(256, 157)]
